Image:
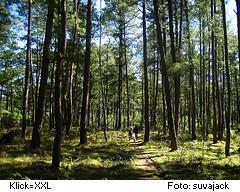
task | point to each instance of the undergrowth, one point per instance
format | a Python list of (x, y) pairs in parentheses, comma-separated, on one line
[(115, 159)]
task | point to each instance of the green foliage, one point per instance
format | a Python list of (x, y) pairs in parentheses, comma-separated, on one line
[(10, 119), (137, 118), (4, 22), (175, 68)]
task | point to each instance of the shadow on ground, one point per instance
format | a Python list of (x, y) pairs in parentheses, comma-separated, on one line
[(103, 161), (119, 159), (191, 171)]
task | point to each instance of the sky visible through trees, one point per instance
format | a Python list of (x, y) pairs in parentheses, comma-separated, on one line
[(230, 9)]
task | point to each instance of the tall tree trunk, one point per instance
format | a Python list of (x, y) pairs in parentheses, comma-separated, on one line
[(209, 87), (51, 99), (120, 64), (62, 42), (191, 77), (180, 26), (228, 103), (222, 79), (172, 133), (86, 80), (152, 77), (175, 4), (164, 109), (174, 60), (69, 107), (89, 104), (219, 104), (103, 100), (213, 76), (27, 70), (142, 98), (127, 84), (201, 75), (35, 142), (38, 62), (203, 82), (145, 73), (155, 103)]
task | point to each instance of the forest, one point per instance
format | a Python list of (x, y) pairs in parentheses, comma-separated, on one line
[(120, 89)]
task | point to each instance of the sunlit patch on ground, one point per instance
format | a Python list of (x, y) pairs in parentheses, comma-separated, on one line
[(120, 158)]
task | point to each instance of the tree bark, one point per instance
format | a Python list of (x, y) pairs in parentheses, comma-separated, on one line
[(120, 63), (172, 133), (203, 82), (127, 81), (102, 95), (35, 141), (228, 103), (27, 70), (86, 80), (62, 42), (192, 98), (69, 107), (145, 73), (176, 75), (213, 76)]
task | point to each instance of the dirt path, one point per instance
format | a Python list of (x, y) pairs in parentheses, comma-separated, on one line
[(144, 163)]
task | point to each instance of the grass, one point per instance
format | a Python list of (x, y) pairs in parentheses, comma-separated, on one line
[(196, 160), (117, 159)]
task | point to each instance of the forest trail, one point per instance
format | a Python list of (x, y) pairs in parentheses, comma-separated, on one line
[(144, 163)]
